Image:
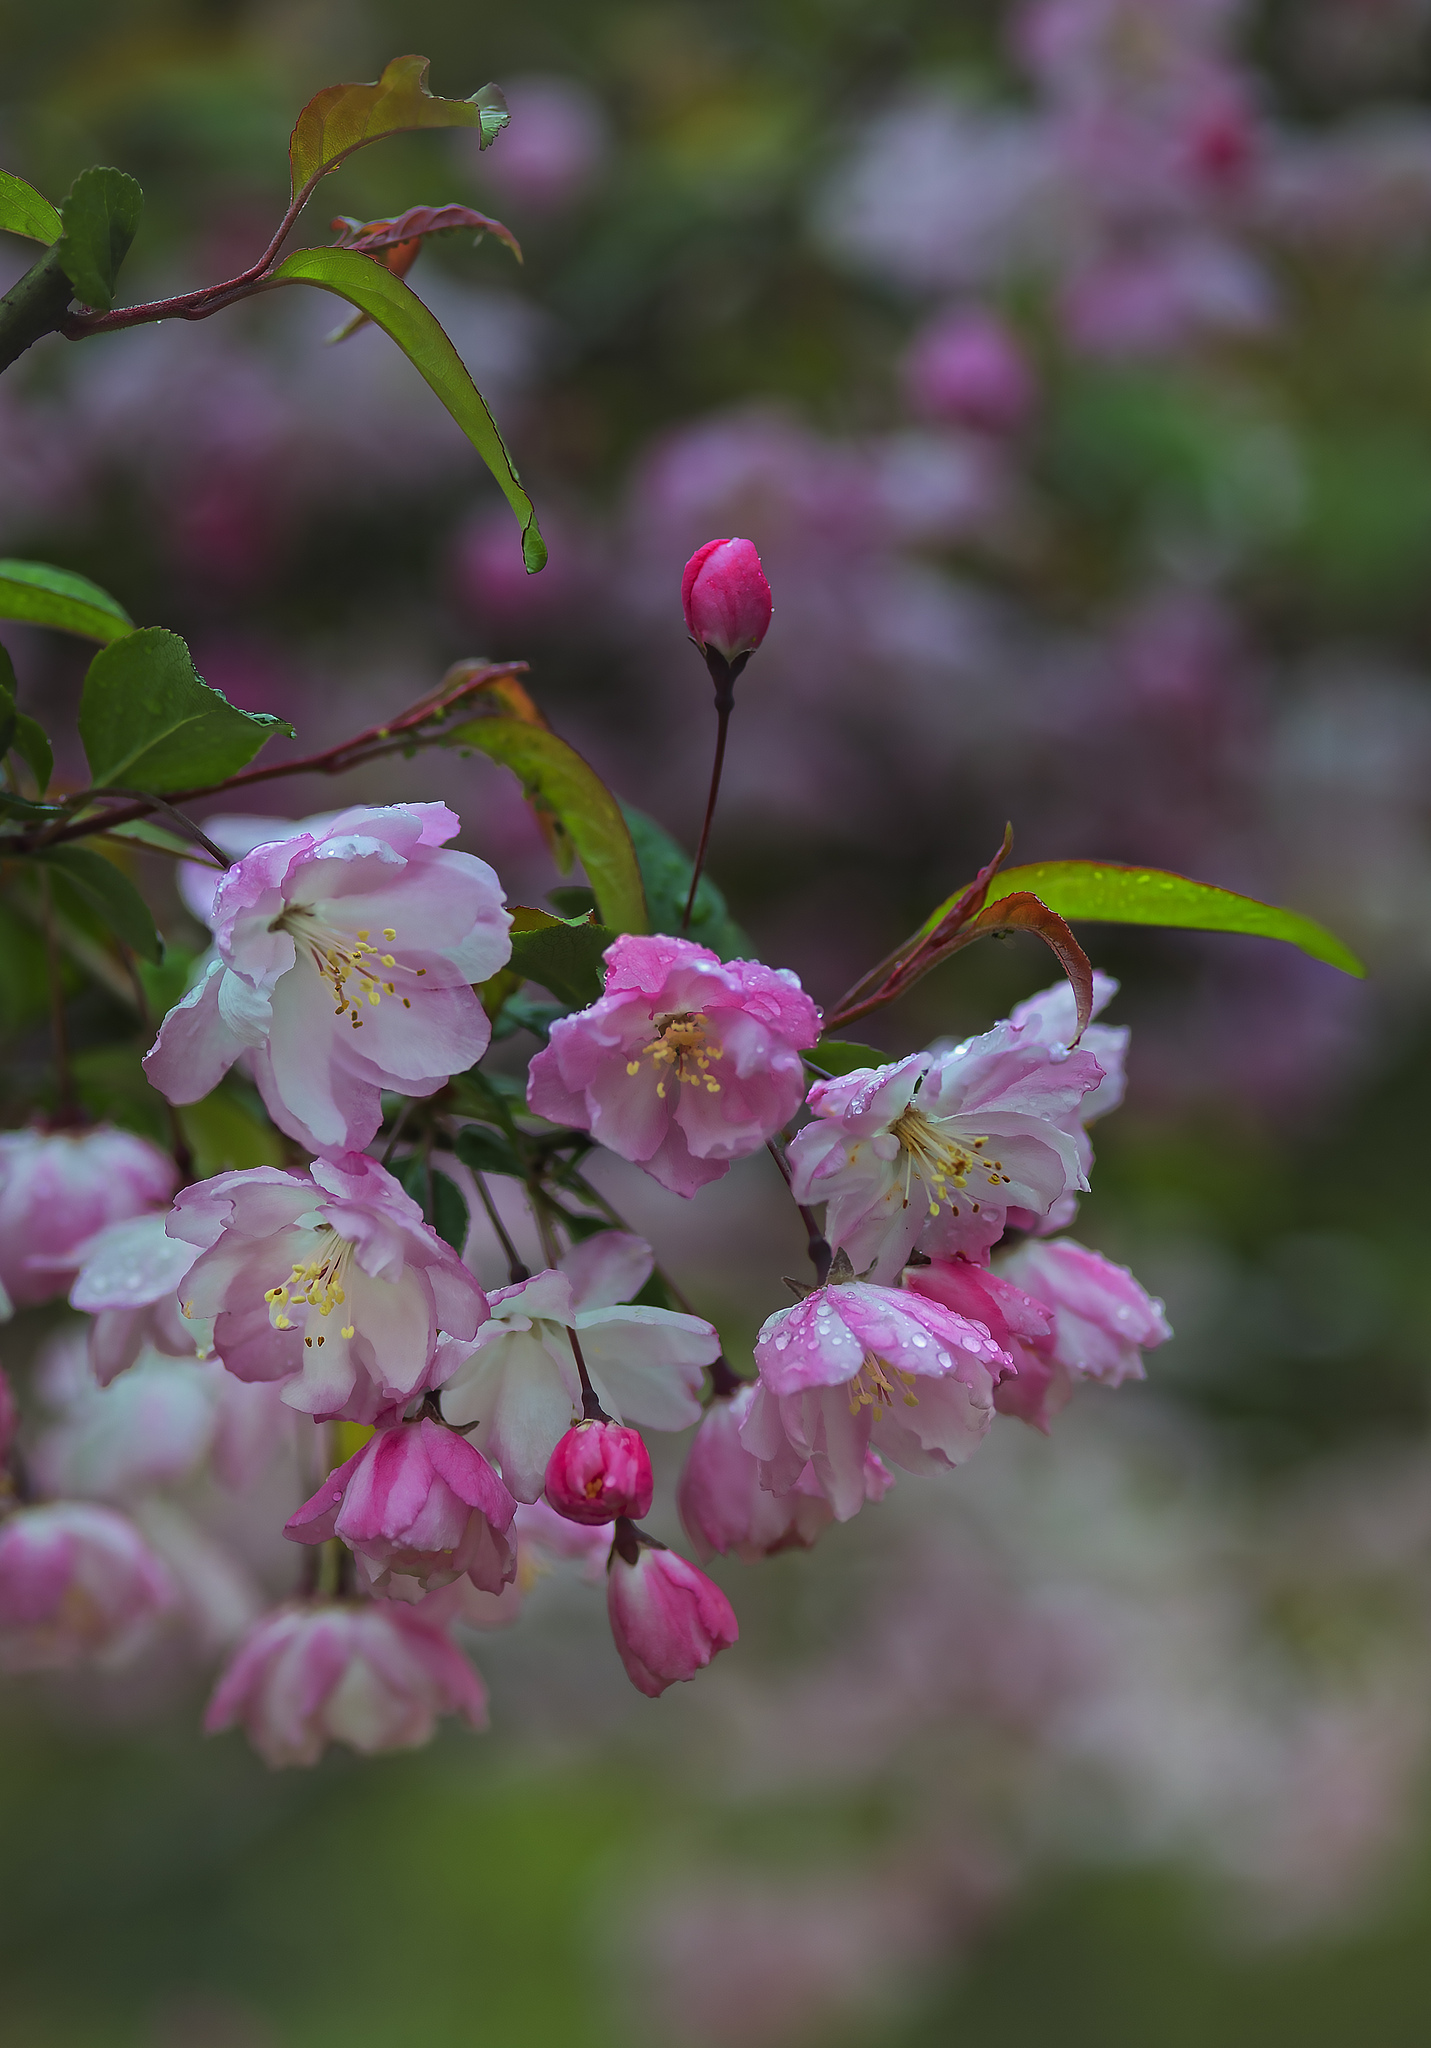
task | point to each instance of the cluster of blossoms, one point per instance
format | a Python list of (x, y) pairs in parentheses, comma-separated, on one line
[(451, 1430)]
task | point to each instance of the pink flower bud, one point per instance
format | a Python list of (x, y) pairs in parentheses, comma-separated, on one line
[(598, 1471), (369, 1674), (668, 1619), (419, 1506), (726, 598), (78, 1584), (967, 367)]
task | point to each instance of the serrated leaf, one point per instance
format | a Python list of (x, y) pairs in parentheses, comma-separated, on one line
[(343, 118), (45, 596), (555, 774), (836, 1056), (1104, 893), (388, 302), (563, 955), (666, 877), (109, 893), (149, 721), (24, 211), (100, 215), (485, 1152)]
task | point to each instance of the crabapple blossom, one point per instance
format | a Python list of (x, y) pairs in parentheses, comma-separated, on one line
[(78, 1584), (371, 1674), (1103, 1321), (939, 1147), (1038, 1387), (598, 1471), (683, 1064), (854, 1364), (723, 1505), (128, 1286), (345, 958), (726, 600), (57, 1189), (418, 1506), (966, 366), (667, 1618), (328, 1281), (519, 1390)]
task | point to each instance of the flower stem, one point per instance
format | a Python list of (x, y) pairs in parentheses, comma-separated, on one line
[(591, 1407), (516, 1270), (723, 676), (818, 1245)]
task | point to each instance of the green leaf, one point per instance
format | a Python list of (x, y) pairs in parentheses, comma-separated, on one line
[(343, 118), (24, 734), (112, 895), (100, 213), (563, 955), (666, 876), (368, 285), (24, 211), (1101, 892), (149, 721), (46, 596), (844, 1056), (228, 1131), (485, 1152), (555, 775), (439, 1197)]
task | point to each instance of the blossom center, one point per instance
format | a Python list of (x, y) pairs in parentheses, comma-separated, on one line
[(873, 1385), (681, 1042), (342, 957), (943, 1162), (315, 1284)]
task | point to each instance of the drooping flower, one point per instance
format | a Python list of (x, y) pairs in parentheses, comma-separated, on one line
[(667, 1618), (419, 1507), (128, 1283), (371, 1674), (78, 1584), (853, 1365), (726, 599), (599, 1471), (1103, 1321), (521, 1389), (723, 1505), (57, 1189), (940, 1147), (1038, 1386), (330, 1282), (345, 958), (684, 1064)]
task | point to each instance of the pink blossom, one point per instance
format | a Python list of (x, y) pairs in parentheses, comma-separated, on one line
[(684, 1064), (419, 1507), (345, 958), (598, 1471), (854, 1364), (939, 1147), (370, 1674), (128, 1284), (519, 1389), (78, 1584), (726, 599), (723, 1505), (966, 366), (667, 1618), (57, 1189), (1103, 1320), (1038, 1386), (332, 1284), (153, 1428)]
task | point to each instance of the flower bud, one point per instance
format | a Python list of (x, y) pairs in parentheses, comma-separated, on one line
[(726, 599), (598, 1471), (668, 1619)]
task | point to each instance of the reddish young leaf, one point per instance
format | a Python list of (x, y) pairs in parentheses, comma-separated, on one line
[(929, 945), (370, 237), (1024, 913)]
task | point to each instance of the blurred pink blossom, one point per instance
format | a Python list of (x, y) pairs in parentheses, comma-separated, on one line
[(57, 1190), (78, 1584)]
